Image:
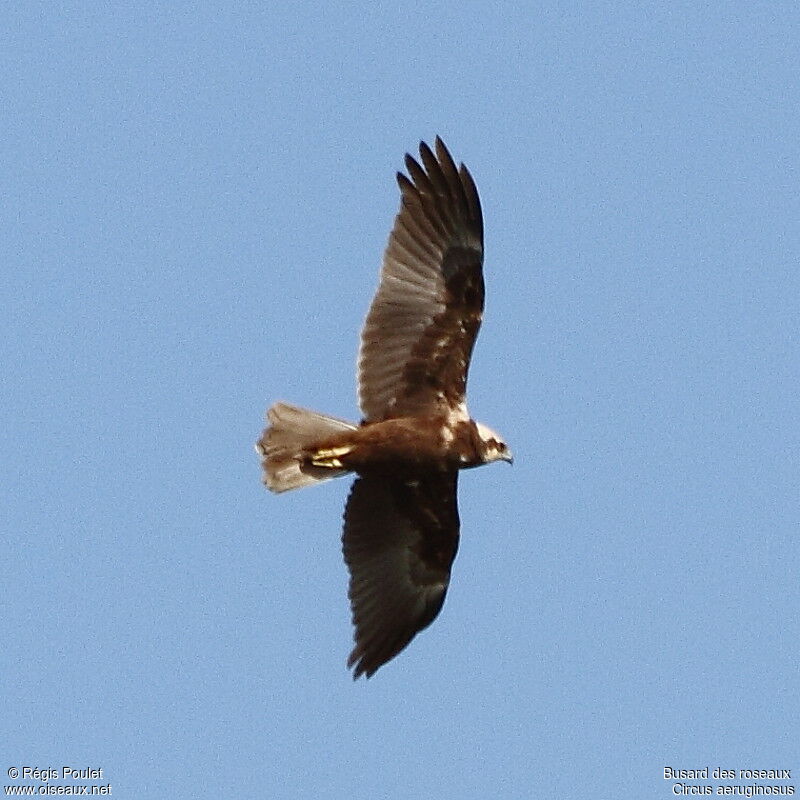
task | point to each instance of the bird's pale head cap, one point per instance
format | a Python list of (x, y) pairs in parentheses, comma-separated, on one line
[(494, 446)]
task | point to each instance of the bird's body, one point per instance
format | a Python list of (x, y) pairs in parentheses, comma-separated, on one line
[(401, 519), (401, 446)]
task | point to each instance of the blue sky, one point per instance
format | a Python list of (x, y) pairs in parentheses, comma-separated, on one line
[(196, 200)]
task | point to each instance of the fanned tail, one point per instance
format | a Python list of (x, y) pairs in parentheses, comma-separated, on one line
[(293, 430)]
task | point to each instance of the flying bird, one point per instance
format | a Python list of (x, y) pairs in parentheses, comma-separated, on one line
[(401, 524)]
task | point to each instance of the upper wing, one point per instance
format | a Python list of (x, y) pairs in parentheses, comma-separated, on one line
[(400, 539), (421, 327)]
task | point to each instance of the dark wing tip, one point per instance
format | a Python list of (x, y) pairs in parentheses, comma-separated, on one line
[(361, 665), (356, 660), (442, 153), (444, 157), (433, 169), (404, 183), (410, 162)]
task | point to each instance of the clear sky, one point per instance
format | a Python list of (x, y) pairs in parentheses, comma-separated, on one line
[(195, 202)]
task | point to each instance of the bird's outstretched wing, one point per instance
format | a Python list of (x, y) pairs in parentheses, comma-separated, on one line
[(421, 327), (400, 539)]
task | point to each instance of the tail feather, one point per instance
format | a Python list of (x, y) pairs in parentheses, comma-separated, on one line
[(292, 430)]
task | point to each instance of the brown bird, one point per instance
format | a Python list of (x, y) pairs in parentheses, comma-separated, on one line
[(401, 525)]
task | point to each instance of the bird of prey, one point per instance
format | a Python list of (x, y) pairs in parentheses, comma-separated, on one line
[(401, 524)]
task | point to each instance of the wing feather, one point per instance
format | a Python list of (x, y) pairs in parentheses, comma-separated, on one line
[(400, 539), (413, 236), (421, 327)]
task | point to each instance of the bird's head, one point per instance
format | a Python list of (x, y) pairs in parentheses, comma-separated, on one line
[(494, 447)]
